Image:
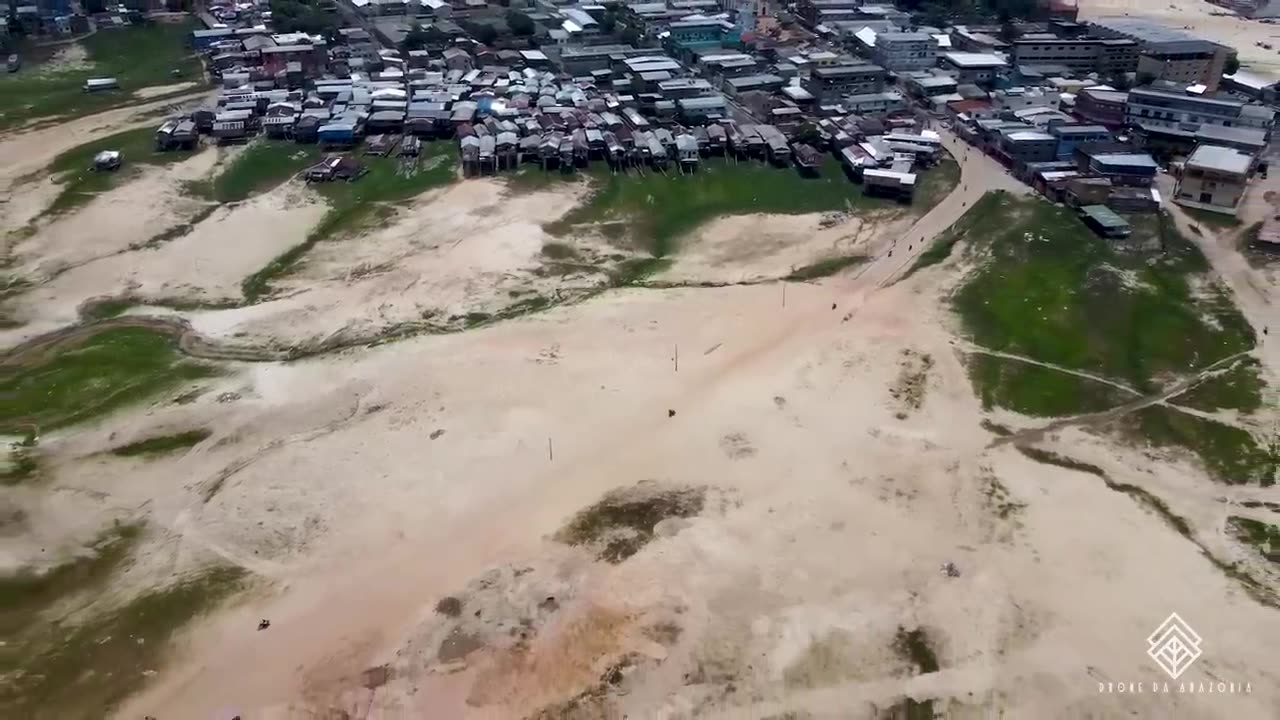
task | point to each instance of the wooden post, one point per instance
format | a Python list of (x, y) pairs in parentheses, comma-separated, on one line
[(551, 455), (677, 357)]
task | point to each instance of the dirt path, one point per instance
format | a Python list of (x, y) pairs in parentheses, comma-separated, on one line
[(971, 348), (1033, 435), (978, 174)]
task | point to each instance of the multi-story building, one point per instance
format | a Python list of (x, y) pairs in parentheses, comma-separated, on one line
[(1104, 107), (974, 68), (1072, 136), (1214, 178), (904, 51), (829, 84), (1101, 55), (811, 10), (1187, 62), (1173, 119), (1169, 53), (1025, 145)]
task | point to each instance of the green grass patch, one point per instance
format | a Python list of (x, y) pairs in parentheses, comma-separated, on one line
[(1037, 391), (634, 271), (1263, 536), (258, 168), (352, 204), (1229, 454), (825, 268), (1239, 388), (104, 372), (106, 308), (661, 207), (162, 444), (137, 56), (80, 183), (981, 211), (83, 670), (1049, 289), (935, 184)]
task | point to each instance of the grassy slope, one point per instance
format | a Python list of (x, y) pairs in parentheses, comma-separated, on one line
[(353, 203), (80, 183), (1263, 536), (65, 659), (262, 166), (658, 208), (137, 56), (1041, 291), (114, 368)]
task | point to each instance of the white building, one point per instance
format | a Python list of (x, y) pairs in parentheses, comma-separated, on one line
[(903, 51)]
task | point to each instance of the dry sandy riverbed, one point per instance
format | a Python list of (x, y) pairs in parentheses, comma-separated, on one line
[(837, 471)]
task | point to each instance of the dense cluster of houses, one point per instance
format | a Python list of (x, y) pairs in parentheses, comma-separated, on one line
[(1085, 112)]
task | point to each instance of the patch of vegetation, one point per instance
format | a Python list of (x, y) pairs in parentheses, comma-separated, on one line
[(942, 245), (1229, 454), (26, 594), (1001, 503), (825, 268), (1035, 390), (634, 271), (559, 251), (137, 56), (622, 521), (1263, 536), (162, 444), (21, 462), (106, 308), (1239, 388), (73, 670), (73, 169), (662, 207), (914, 646), (354, 203), (258, 168), (934, 184), (1051, 290), (90, 377)]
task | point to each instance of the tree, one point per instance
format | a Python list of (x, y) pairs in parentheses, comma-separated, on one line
[(810, 135), (631, 36), (415, 39), (302, 16), (1145, 78), (520, 23), (1232, 66), (484, 34), (609, 22)]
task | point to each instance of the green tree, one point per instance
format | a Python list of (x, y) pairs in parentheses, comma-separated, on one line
[(1232, 66), (415, 39), (484, 34), (520, 23)]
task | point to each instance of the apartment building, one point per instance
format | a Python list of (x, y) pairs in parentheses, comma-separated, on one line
[(1168, 53), (1101, 106), (1187, 62), (829, 84), (975, 68), (1177, 116), (811, 11), (905, 51), (1103, 56)]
